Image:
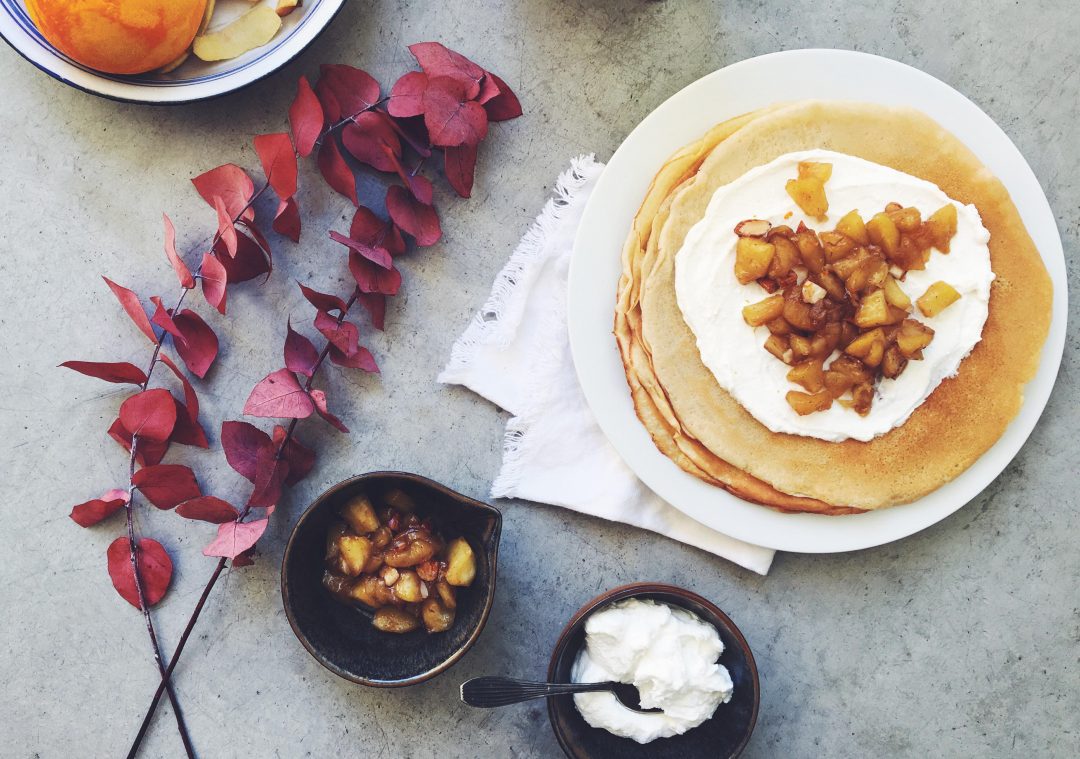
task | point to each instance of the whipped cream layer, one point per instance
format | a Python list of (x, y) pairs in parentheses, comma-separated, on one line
[(711, 298)]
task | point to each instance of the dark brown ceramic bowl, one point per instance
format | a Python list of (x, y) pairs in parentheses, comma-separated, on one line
[(723, 735), (341, 637)]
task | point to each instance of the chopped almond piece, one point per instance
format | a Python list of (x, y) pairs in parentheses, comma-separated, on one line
[(753, 228), (763, 311), (809, 374), (809, 195), (884, 233), (752, 259), (851, 225), (807, 404), (937, 298), (912, 337), (941, 226), (895, 294), (820, 171), (812, 293)]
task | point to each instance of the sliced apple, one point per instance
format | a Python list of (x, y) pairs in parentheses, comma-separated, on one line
[(285, 7), (254, 29)]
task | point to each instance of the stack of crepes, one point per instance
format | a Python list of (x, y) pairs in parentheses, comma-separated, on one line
[(703, 429)]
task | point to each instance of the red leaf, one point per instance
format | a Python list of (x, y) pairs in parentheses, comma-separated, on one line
[(191, 400), (270, 475), (378, 256), (207, 508), (148, 453), (439, 61), (287, 219), (350, 89), (163, 318), (300, 354), (278, 160), (246, 559), (150, 414), (250, 261), (90, 513), (119, 372), (234, 538), (344, 335), (230, 183), (305, 118), (257, 236), (419, 186), (200, 345), (371, 278), (369, 229), (242, 443), (155, 570), (488, 89), (335, 171), (322, 301), (130, 301), (407, 95), (450, 116), (279, 395), (181, 269), (320, 405), (361, 359), (226, 231), (301, 459), (375, 305), (412, 216), (505, 105), (188, 431), (368, 138), (460, 166), (215, 279), (166, 485)]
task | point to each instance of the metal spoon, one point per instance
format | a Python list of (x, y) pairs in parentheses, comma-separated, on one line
[(488, 692)]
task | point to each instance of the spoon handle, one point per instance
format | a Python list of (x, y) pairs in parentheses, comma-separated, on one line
[(487, 692)]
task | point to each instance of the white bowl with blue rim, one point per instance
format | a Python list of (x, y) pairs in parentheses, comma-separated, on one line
[(194, 79)]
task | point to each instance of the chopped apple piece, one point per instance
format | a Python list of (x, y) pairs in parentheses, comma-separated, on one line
[(800, 346), (836, 245), (764, 311), (813, 257), (809, 374), (809, 194), (436, 616), (819, 171), (393, 620), (869, 346), (893, 363), (778, 346), (461, 563), (355, 552), (360, 515), (752, 259), (906, 219), (895, 294), (884, 233), (785, 258), (862, 398), (407, 587), (852, 226), (937, 298), (941, 226), (912, 337), (873, 310), (254, 29), (804, 403), (797, 313)]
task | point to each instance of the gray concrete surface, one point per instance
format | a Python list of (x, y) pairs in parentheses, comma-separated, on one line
[(960, 641)]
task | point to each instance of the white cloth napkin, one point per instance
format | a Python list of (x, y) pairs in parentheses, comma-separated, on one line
[(516, 353)]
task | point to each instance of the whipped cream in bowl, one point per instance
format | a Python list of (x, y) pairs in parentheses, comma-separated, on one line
[(711, 298)]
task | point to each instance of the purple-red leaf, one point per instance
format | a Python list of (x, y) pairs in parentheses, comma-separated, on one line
[(343, 336), (279, 395), (208, 508), (188, 431), (407, 95), (335, 171), (375, 305), (361, 359), (119, 371), (181, 269), (287, 219), (230, 183), (460, 166), (163, 318), (242, 443), (451, 116), (270, 475), (437, 60), (301, 459), (503, 106), (233, 538), (191, 400), (90, 513), (251, 260), (412, 216), (379, 256), (371, 278), (347, 89), (305, 118), (322, 301), (368, 140), (155, 570), (150, 414), (199, 347), (319, 397), (226, 231), (215, 279), (130, 301), (278, 160), (166, 485), (148, 453), (300, 354)]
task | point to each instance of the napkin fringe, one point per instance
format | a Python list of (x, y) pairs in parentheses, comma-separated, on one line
[(496, 323)]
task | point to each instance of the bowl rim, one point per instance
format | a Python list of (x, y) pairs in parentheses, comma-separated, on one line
[(490, 547), (632, 590)]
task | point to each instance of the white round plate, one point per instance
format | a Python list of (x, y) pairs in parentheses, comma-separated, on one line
[(194, 79), (596, 266)]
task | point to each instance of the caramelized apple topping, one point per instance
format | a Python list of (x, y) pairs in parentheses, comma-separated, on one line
[(836, 312)]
